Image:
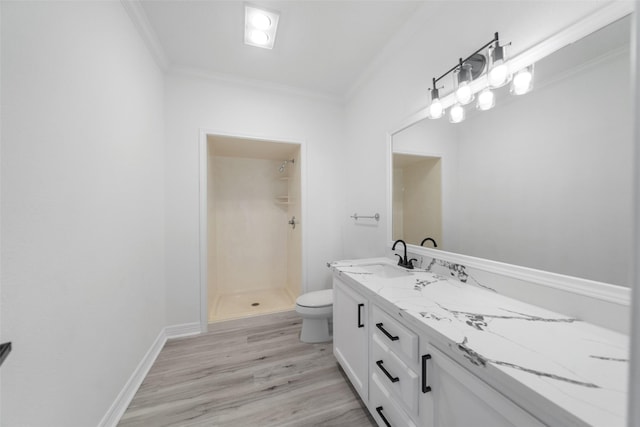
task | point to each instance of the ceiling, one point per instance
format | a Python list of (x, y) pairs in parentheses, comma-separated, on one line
[(321, 46)]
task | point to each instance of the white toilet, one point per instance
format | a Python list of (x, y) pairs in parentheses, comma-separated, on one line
[(316, 309)]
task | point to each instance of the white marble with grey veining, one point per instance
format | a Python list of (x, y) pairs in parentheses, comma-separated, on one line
[(576, 371)]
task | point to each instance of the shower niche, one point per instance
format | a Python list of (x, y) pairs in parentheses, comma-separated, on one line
[(254, 261)]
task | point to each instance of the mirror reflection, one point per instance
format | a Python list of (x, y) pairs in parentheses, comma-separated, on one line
[(542, 180), (417, 199)]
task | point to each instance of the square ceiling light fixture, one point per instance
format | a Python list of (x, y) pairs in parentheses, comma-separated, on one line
[(260, 26)]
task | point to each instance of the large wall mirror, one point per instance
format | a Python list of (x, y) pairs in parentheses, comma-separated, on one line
[(542, 180)]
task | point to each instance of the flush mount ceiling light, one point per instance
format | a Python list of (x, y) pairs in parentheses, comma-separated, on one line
[(260, 26), (475, 74)]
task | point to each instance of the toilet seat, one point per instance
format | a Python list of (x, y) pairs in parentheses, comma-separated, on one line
[(316, 299)]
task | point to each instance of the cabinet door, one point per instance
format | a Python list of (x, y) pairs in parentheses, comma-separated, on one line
[(457, 398), (350, 335)]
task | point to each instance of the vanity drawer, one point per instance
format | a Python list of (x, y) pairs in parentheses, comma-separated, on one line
[(385, 411), (401, 340), (396, 377)]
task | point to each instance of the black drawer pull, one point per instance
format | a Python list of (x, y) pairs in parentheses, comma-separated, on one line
[(392, 379), (360, 324), (425, 387), (379, 411), (384, 331)]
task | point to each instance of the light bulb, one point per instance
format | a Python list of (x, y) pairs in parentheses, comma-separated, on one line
[(522, 81), (498, 75), (259, 37), (486, 100), (456, 113), (464, 95), (260, 21), (435, 109), (461, 79)]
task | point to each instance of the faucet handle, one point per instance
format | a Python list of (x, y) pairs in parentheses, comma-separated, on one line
[(410, 263), (400, 260)]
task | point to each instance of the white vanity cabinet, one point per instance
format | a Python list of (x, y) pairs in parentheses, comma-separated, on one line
[(451, 396), (404, 379), (351, 335), (393, 361)]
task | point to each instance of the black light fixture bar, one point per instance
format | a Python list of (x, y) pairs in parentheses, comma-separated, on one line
[(462, 61)]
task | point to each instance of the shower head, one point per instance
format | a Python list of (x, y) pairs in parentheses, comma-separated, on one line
[(281, 168)]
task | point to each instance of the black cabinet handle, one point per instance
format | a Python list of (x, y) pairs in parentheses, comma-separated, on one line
[(425, 387), (391, 378), (360, 324), (384, 331), (379, 411)]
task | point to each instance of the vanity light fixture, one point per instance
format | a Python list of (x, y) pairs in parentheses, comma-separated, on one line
[(523, 81), (456, 113), (486, 100), (436, 110), (477, 74), (260, 26), (462, 80), (498, 73)]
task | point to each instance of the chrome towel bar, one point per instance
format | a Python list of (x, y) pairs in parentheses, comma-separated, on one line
[(356, 216)]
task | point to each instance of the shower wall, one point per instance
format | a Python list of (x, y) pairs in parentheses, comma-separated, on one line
[(250, 229), (294, 236), (212, 265)]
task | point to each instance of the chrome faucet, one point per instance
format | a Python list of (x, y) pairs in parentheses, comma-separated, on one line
[(435, 245), (403, 261)]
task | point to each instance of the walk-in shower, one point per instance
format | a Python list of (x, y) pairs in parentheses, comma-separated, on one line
[(254, 253)]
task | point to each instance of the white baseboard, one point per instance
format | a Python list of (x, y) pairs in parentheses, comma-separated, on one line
[(183, 330), (119, 406)]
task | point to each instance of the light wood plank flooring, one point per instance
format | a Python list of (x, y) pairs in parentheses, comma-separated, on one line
[(247, 372)]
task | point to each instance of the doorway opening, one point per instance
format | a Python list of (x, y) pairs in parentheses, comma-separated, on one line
[(254, 226)]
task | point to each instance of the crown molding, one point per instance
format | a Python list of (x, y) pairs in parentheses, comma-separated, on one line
[(145, 29), (199, 73), (141, 22), (418, 20)]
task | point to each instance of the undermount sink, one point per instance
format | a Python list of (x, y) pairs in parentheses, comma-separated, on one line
[(385, 270)]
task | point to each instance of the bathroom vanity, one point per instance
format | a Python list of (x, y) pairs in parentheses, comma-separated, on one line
[(427, 349)]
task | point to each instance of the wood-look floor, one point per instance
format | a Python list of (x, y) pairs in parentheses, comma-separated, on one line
[(248, 372)]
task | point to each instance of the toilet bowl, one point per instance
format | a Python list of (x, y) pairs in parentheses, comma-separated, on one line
[(316, 309)]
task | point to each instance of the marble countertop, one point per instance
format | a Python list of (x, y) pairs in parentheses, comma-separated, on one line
[(573, 371)]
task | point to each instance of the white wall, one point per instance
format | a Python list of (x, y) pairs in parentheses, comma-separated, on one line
[(397, 86), (228, 108), (82, 209)]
